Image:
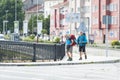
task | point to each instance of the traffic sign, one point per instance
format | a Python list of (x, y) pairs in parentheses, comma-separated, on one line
[(73, 17)]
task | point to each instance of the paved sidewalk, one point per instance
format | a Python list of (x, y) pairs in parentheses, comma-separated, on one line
[(92, 59), (95, 56), (76, 61)]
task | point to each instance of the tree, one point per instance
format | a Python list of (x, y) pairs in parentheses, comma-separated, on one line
[(44, 31), (46, 24), (10, 6), (33, 23)]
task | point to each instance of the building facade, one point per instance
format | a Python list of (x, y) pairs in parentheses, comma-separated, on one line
[(100, 9), (83, 7), (58, 25), (48, 4), (31, 3), (34, 11), (32, 7)]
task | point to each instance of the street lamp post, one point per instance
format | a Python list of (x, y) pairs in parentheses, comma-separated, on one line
[(88, 28), (37, 21), (15, 10), (6, 20), (37, 10), (32, 22)]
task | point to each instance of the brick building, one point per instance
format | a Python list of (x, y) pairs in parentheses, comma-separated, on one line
[(59, 26), (101, 8)]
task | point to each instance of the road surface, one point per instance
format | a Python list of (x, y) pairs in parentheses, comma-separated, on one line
[(63, 72)]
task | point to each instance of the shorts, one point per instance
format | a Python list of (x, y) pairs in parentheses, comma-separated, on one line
[(82, 49), (69, 48)]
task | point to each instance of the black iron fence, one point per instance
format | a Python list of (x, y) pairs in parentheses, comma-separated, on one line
[(21, 51)]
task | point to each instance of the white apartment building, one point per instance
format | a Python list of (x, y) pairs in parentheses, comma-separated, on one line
[(83, 7), (33, 7), (48, 4)]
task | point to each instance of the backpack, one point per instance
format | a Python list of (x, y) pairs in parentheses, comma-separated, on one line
[(72, 37), (82, 39)]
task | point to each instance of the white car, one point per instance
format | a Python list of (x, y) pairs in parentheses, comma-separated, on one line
[(2, 37)]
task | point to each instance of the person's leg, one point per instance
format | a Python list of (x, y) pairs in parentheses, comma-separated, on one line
[(84, 50), (70, 55), (80, 56), (80, 50)]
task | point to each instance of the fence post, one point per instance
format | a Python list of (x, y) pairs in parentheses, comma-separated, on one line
[(63, 51), (55, 58), (34, 53)]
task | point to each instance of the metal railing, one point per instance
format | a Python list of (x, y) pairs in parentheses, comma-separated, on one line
[(11, 51)]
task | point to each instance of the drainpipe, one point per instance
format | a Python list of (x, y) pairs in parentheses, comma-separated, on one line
[(119, 18), (75, 12)]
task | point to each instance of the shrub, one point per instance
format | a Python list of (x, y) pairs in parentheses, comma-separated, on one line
[(57, 40), (7, 37), (27, 39), (32, 36), (94, 44), (115, 43)]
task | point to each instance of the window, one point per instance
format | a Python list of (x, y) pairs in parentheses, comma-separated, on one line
[(94, 8), (113, 20), (78, 8), (112, 7), (95, 21), (103, 7), (71, 9), (113, 34), (32, 1), (85, 9)]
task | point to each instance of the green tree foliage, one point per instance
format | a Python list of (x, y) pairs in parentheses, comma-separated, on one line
[(10, 6), (33, 23), (46, 24), (44, 31)]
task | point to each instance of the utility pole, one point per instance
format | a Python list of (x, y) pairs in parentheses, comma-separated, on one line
[(15, 10), (6, 20), (37, 10)]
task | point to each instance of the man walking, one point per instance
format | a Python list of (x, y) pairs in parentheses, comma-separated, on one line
[(69, 47), (81, 41)]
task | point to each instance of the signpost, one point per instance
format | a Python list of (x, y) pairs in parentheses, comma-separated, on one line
[(39, 27), (16, 27), (5, 25), (106, 21), (82, 27), (72, 18), (25, 27)]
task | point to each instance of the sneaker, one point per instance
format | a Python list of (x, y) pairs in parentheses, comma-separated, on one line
[(69, 59), (85, 56), (80, 58)]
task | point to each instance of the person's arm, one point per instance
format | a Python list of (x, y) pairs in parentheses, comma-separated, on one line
[(72, 42), (77, 41)]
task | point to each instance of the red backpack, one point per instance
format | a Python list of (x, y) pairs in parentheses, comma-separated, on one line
[(72, 37)]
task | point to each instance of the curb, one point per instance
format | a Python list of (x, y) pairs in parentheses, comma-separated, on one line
[(59, 63)]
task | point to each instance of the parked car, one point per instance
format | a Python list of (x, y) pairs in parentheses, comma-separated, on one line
[(2, 37)]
